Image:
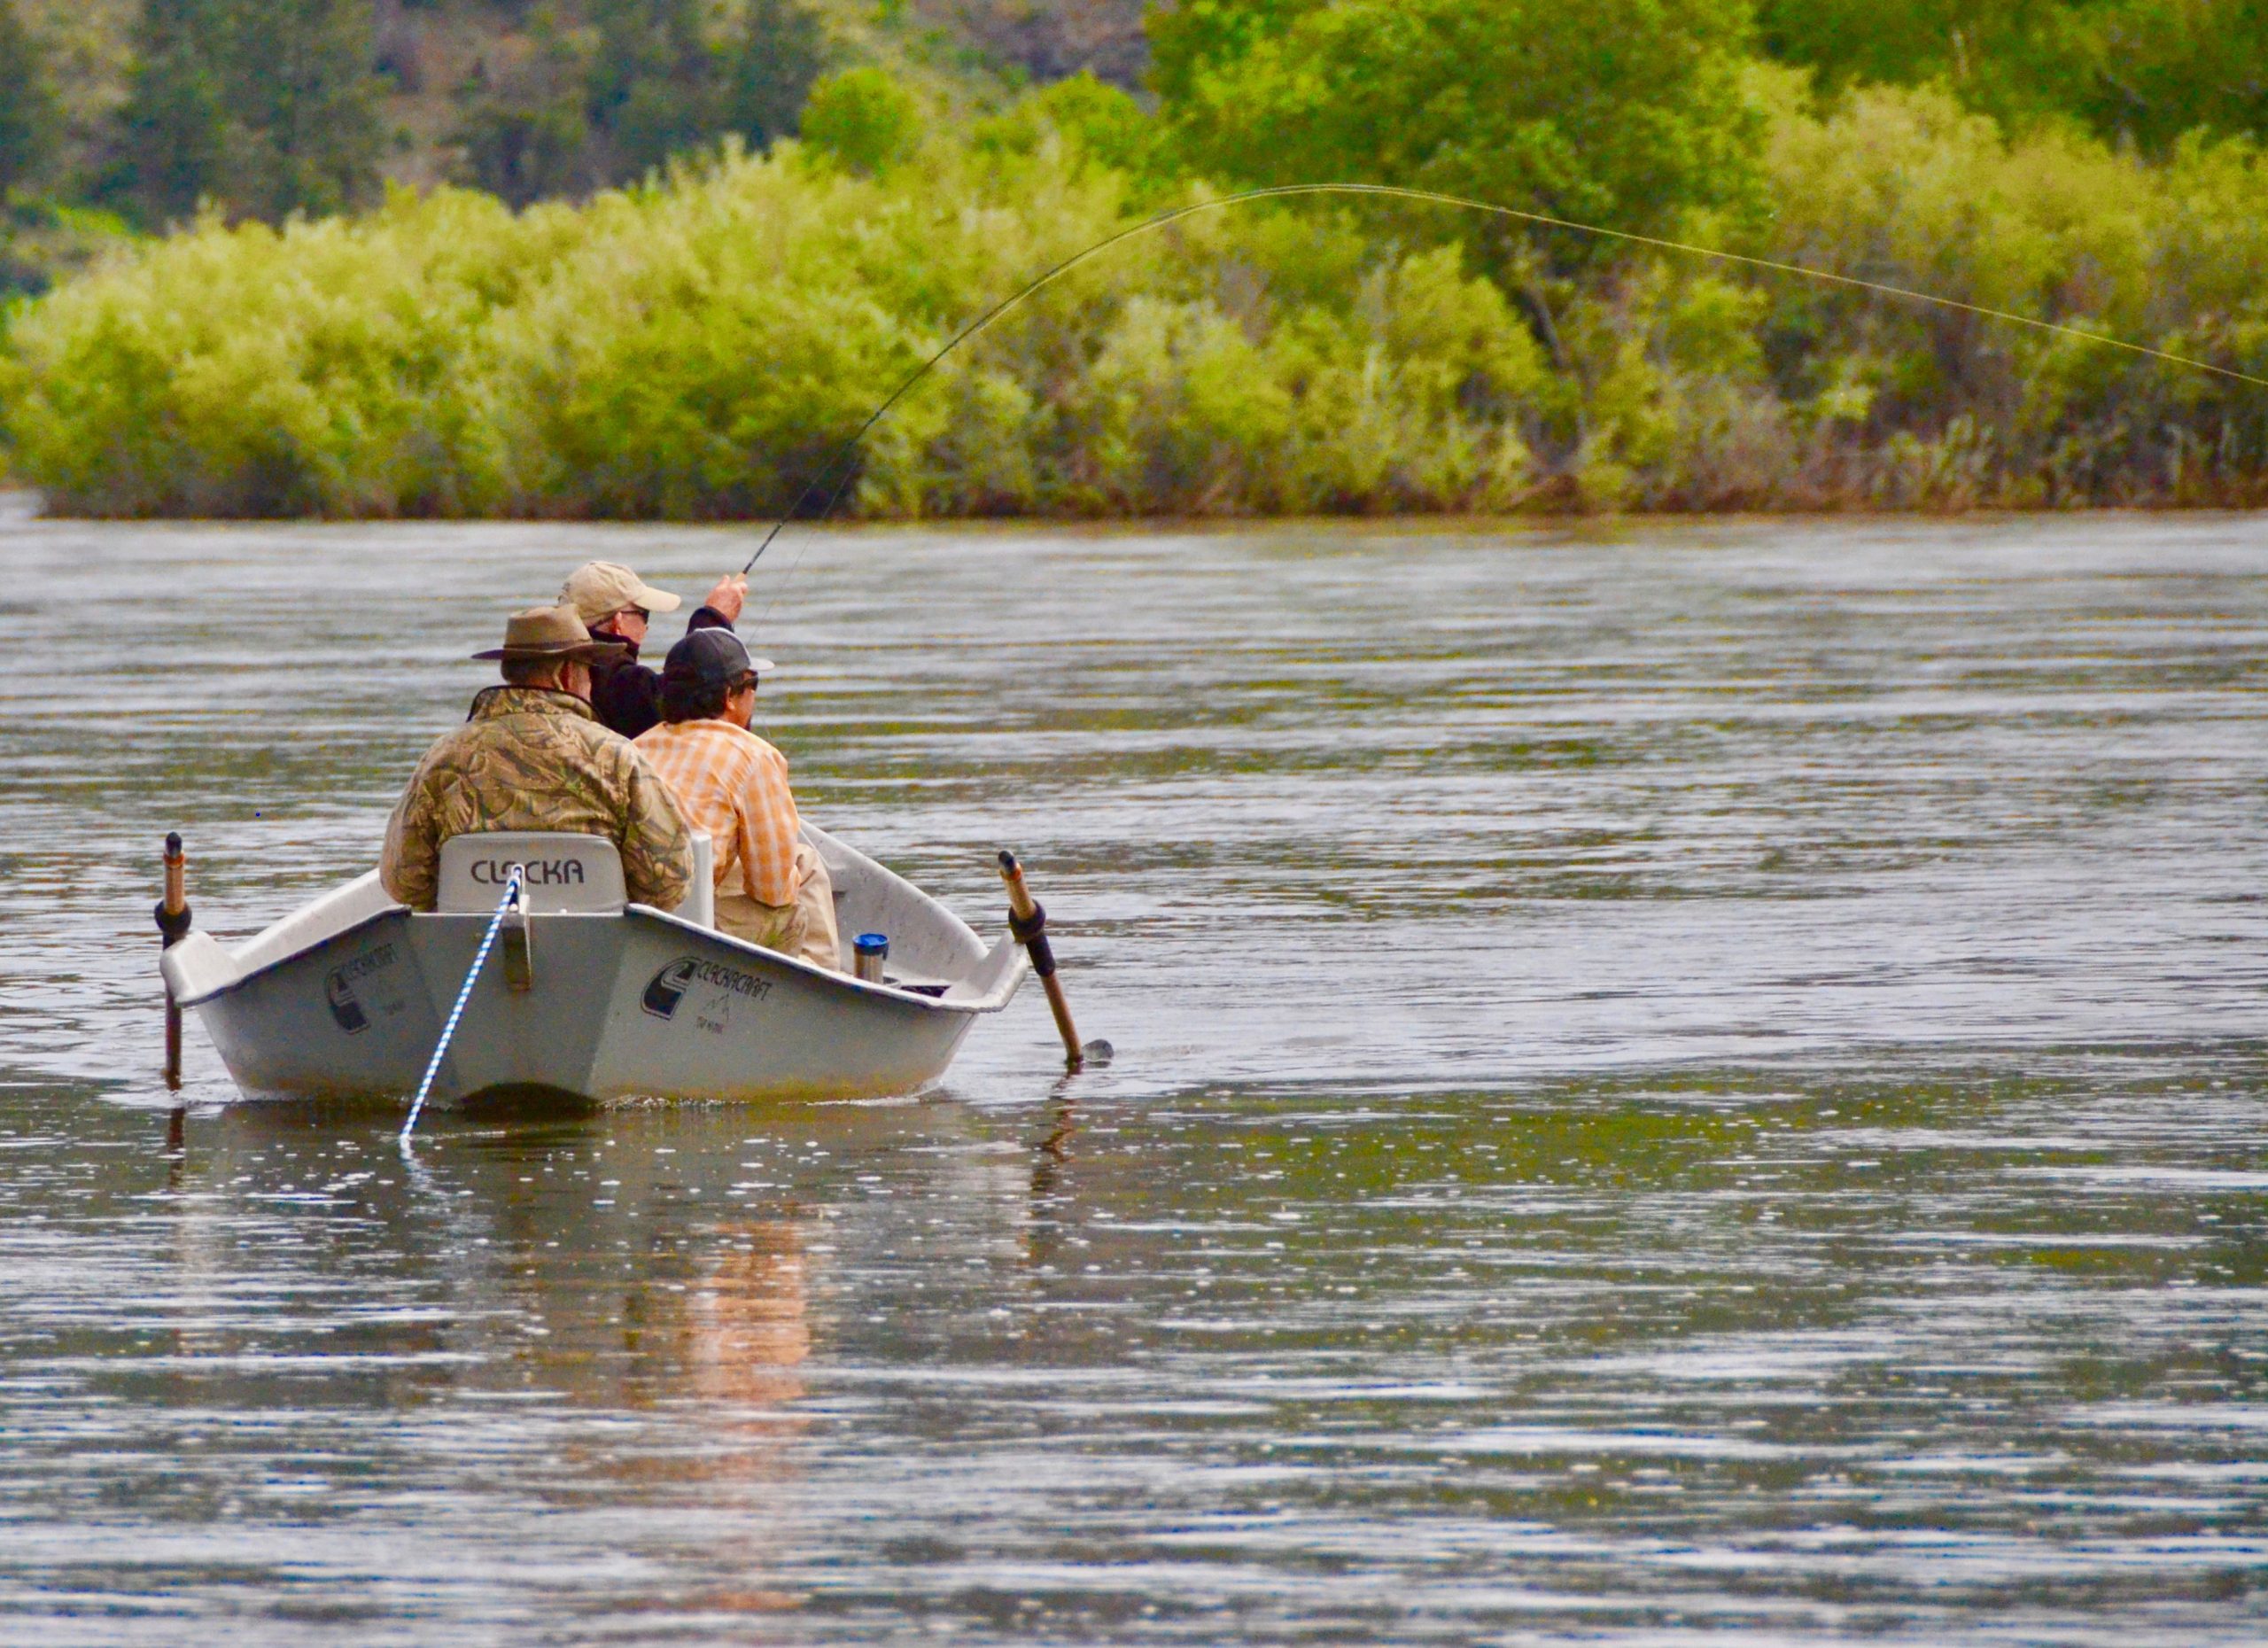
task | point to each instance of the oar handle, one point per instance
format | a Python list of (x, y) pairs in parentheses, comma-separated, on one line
[(176, 902), (1028, 922), (172, 927)]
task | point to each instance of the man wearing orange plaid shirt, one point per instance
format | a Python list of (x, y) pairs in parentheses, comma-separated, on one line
[(771, 888)]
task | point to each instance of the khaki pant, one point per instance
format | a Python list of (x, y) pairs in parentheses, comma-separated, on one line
[(805, 929)]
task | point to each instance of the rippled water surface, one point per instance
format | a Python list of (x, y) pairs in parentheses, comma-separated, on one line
[(1680, 1083)]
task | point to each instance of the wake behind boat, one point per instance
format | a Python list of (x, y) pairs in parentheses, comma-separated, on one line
[(593, 996)]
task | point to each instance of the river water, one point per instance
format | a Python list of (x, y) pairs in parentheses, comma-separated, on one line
[(1675, 1083)]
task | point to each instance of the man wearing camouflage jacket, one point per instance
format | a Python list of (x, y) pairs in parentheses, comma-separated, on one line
[(533, 756)]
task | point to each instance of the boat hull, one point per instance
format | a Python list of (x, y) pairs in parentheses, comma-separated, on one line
[(616, 1007)]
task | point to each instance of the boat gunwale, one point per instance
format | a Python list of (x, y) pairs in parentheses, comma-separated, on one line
[(300, 954), (992, 1002), (830, 975)]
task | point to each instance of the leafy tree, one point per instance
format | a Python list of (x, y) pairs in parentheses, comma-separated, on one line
[(659, 85), (171, 132), (1107, 124), (651, 81), (2144, 70), (524, 134), (768, 69), (2161, 67), (306, 132), (267, 107), (1624, 114), (27, 112), (1201, 35), (1908, 42), (642, 81), (862, 118)]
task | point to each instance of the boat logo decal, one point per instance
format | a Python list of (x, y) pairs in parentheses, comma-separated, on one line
[(540, 872), (338, 988), (668, 987)]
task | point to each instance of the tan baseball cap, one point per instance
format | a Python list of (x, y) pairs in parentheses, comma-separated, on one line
[(601, 588)]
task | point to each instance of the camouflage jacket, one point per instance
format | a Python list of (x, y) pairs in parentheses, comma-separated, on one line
[(532, 758)]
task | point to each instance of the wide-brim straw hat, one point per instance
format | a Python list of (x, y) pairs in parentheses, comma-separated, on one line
[(549, 633)]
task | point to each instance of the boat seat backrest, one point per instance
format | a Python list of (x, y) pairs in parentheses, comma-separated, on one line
[(580, 874)]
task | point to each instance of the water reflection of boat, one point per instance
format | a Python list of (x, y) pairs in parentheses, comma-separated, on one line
[(595, 997), (750, 1318)]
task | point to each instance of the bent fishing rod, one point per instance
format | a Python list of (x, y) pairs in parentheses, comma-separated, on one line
[(843, 455)]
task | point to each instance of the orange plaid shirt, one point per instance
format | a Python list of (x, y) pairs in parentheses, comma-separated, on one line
[(732, 784)]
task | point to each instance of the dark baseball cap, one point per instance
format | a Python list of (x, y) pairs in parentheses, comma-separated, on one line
[(711, 658)]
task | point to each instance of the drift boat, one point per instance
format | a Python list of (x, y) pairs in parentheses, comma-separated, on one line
[(590, 997)]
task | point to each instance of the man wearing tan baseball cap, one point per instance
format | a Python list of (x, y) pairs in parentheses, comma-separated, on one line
[(615, 602)]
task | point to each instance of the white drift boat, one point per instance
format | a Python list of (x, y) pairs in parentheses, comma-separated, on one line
[(589, 996)]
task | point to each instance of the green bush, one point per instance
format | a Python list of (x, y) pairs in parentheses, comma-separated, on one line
[(2145, 72), (862, 118), (1625, 117), (1905, 187), (702, 346)]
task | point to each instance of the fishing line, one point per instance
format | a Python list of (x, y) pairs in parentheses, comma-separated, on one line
[(1284, 191)]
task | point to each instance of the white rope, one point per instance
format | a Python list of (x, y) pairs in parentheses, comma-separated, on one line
[(440, 1049)]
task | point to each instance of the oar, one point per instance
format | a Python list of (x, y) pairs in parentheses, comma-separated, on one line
[(172, 927), (1028, 921)]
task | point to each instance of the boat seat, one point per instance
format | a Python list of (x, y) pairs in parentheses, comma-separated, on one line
[(570, 874)]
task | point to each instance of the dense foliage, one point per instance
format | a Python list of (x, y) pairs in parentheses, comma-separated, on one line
[(697, 347), (27, 103), (611, 91), (269, 106), (704, 240), (1618, 107), (2147, 70), (1626, 117), (265, 108)]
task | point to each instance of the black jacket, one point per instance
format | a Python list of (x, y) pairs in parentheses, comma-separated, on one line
[(628, 695)]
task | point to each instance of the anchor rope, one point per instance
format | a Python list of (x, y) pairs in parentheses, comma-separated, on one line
[(464, 994)]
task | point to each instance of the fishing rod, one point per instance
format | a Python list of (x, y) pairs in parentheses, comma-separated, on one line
[(843, 455)]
